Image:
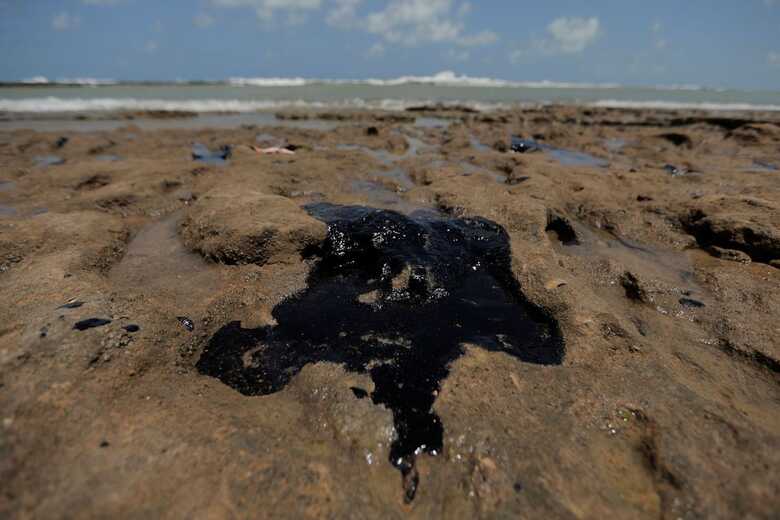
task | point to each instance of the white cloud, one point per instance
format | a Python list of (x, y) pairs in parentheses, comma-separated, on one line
[(65, 21), (151, 46), (573, 35), (203, 20), (265, 8), (402, 22), (773, 58), (413, 22), (458, 55), (375, 51), (564, 36), (659, 41), (344, 14)]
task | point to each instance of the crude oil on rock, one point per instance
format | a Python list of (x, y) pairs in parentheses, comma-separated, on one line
[(397, 320)]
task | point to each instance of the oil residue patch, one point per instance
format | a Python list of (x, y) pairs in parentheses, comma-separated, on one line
[(394, 297)]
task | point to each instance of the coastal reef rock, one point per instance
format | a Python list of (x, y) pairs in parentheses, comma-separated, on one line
[(735, 224), (395, 298), (233, 225)]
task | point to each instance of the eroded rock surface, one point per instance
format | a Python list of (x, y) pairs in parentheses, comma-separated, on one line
[(234, 225)]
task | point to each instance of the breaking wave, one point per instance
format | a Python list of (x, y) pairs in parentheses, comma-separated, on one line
[(56, 105)]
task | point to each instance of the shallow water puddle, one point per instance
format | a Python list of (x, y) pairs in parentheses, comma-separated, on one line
[(432, 122), (7, 211), (477, 144), (570, 158), (108, 158), (615, 144), (470, 169), (761, 167), (395, 297), (563, 156), (379, 195), (48, 160), (158, 265), (379, 155), (202, 154), (672, 268)]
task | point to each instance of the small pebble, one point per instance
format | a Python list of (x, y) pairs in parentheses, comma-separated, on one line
[(186, 322)]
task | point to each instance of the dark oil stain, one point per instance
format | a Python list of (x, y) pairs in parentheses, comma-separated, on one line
[(132, 328), (359, 392), (691, 303), (394, 297), (71, 305), (90, 323)]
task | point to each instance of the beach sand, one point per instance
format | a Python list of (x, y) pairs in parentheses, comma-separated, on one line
[(651, 238)]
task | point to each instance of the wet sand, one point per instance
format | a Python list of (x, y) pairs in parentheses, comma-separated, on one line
[(645, 245)]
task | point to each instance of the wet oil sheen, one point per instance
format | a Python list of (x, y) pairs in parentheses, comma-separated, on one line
[(395, 297)]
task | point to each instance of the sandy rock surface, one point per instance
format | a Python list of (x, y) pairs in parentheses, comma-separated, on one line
[(664, 283)]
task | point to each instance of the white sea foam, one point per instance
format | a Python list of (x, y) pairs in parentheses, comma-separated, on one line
[(56, 105), (445, 78), (87, 82), (674, 105), (106, 104)]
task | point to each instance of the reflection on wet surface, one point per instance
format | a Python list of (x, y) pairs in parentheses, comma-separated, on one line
[(438, 283), (7, 211), (477, 144), (570, 158), (217, 157), (563, 156), (470, 169), (224, 121), (614, 144), (108, 158), (432, 122), (157, 265), (761, 167), (673, 269), (48, 160)]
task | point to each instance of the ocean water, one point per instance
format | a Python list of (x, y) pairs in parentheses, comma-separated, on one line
[(40, 95)]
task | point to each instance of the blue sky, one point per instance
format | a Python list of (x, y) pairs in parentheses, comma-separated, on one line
[(726, 43)]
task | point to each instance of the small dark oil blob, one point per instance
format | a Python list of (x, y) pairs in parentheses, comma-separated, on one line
[(71, 305), (520, 145), (132, 328), (104, 444), (91, 323), (62, 141), (203, 154), (372, 131), (186, 323), (673, 170), (43, 332), (562, 229), (435, 283), (691, 303), (634, 289), (359, 392)]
